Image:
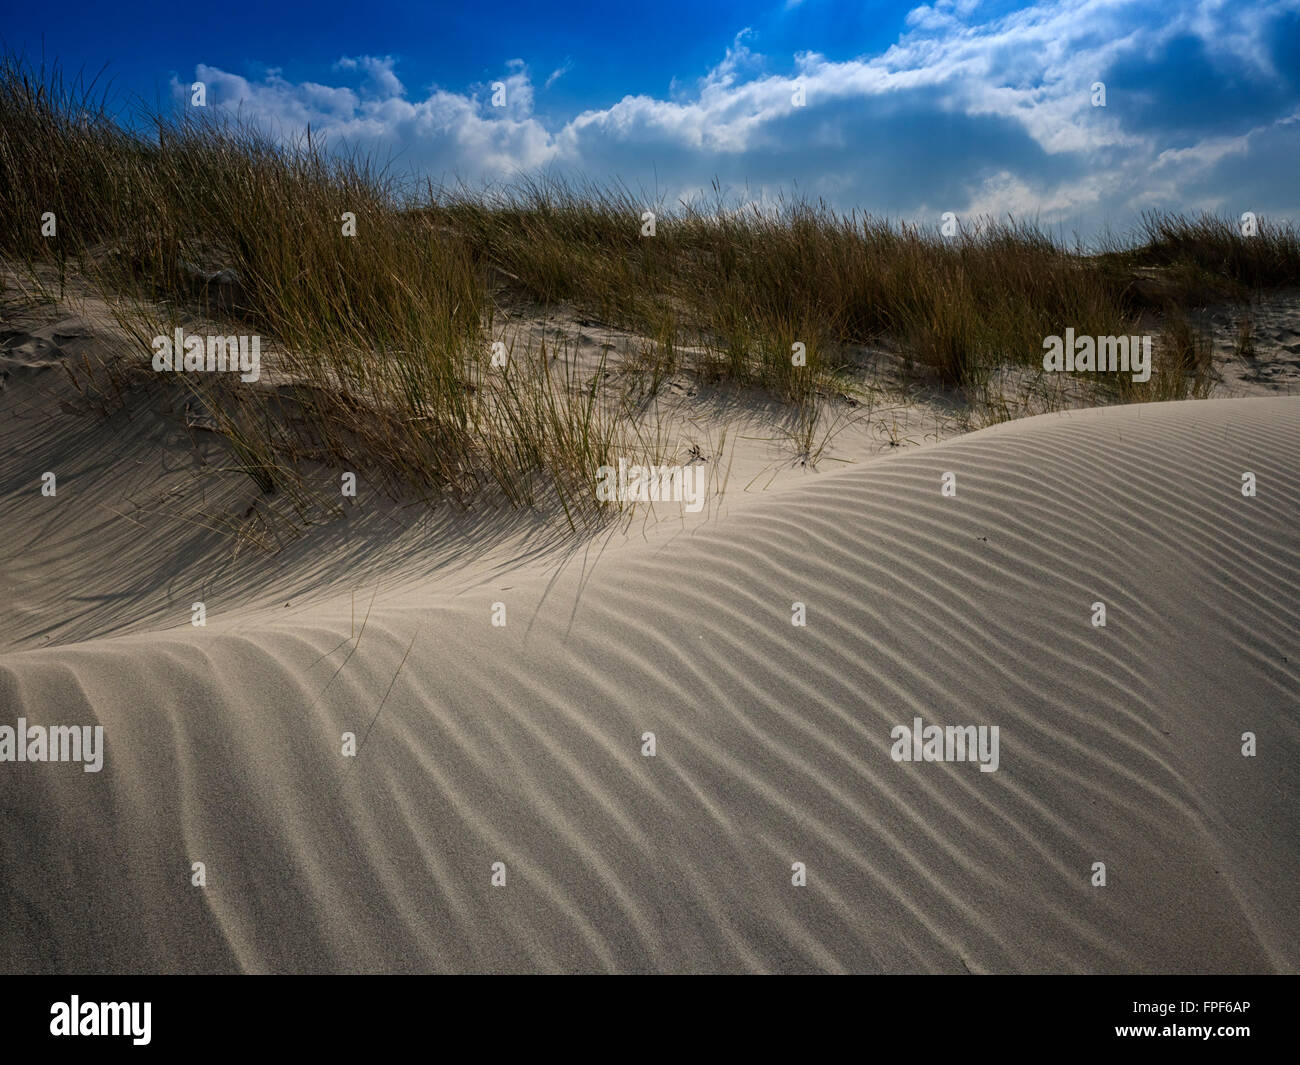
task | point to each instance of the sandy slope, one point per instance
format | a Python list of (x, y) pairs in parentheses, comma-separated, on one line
[(522, 744)]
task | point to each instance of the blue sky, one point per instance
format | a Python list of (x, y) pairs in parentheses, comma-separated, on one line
[(908, 110)]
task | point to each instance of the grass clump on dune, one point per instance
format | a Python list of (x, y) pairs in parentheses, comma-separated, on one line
[(382, 338)]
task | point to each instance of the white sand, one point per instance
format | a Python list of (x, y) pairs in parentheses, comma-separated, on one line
[(522, 744)]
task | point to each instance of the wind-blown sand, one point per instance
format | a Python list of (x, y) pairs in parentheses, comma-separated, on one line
[(522, 744)]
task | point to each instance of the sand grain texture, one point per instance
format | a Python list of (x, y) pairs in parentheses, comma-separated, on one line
[(522, 744)]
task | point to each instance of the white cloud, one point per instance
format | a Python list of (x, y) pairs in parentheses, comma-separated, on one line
[(380, 78), (960, 114), (558, 73)]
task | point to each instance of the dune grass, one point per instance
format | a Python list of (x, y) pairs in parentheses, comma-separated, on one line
[(382, 338)]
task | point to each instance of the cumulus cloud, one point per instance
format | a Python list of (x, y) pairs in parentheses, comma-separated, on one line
[(964, 112), (380, 77)]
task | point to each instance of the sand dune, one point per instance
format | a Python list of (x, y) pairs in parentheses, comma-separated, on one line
[(522, 744)]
